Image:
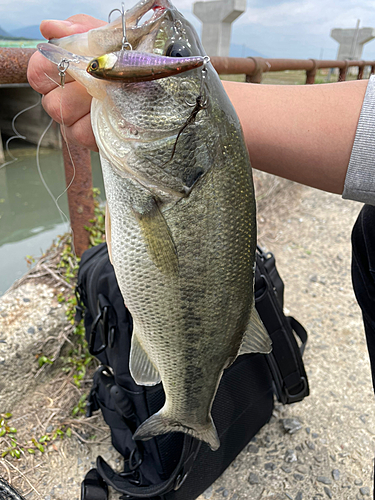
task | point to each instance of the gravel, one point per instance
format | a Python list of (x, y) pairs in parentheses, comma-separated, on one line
[(332, 458)]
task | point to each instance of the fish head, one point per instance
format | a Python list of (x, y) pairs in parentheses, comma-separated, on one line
[(152, 26), (155, 125)]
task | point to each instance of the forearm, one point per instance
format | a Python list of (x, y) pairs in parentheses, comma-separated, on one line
[(303, 133)]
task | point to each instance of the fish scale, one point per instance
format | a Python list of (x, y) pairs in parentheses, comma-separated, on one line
[(182, 229)]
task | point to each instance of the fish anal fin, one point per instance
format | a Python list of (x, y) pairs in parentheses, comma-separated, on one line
[(108, 232), (160, 423), (141, 368), (159, 242), (256, 338)]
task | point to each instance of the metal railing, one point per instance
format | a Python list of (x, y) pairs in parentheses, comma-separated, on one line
[(255, 67), (13, 68)]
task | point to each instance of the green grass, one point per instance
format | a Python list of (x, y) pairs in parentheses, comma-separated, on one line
[(19, 43)]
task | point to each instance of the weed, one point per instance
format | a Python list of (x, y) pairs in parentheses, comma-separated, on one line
[(15, 449), (77, 360)]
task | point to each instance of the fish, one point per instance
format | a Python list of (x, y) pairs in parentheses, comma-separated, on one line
[(181, 214)]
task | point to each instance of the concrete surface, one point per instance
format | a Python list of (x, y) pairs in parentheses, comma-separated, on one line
[(319, 449)]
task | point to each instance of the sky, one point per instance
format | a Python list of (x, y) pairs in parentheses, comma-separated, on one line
[(275, 28)]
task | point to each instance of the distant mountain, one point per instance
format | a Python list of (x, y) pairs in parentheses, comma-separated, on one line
[(237, 50), (4, 33), (29, 32)]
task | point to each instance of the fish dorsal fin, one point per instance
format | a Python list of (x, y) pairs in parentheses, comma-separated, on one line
[(256, 338), (159, 242), (141, 368), (108, 232)]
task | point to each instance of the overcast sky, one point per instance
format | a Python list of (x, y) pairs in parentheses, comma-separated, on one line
[(275, 28)]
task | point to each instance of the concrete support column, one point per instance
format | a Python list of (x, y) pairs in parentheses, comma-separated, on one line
[(352, 41), (217, 18)]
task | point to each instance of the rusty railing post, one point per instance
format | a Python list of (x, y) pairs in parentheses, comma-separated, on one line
[(257, 76), (80, 195), (343, 72), (360, 71), (311, 73)]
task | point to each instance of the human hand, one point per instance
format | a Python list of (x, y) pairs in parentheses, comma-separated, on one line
[(70, 105)]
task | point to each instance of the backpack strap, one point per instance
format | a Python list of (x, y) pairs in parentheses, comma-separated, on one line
[(128, 486), (285, 360), (93, 487)]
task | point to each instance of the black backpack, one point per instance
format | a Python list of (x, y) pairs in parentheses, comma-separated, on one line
[(176, 466)]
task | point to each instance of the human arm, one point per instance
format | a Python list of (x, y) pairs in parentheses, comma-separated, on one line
[(303, 133)]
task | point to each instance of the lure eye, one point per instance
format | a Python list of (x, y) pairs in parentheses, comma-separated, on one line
[(178, 49), (94, 65)]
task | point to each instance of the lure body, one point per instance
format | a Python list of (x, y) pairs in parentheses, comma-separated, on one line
[(133, 66)]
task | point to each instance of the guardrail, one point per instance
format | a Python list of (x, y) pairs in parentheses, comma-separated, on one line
[(13, 68), (255, 67)]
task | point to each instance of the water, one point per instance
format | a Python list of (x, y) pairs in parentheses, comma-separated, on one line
[(29, 219)]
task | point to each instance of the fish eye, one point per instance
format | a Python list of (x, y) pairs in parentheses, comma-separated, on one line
[(178, 49), (94, 65)]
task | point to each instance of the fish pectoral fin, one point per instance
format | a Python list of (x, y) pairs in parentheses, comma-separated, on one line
[(108, 232), (141, 368), (159, 242), (256, 338), (160, 423)]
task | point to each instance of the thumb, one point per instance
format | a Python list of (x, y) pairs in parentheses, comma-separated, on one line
[(80, 23)]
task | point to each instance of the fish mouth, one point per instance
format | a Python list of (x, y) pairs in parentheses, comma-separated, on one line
[(142, 22), (136, 14)]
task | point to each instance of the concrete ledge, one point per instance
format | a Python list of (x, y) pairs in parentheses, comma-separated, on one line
[(28, 316)]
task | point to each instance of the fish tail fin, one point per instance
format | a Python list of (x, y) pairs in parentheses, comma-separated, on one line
[(160, 423)]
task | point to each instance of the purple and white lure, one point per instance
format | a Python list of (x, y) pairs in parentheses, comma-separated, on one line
[(133, 66)]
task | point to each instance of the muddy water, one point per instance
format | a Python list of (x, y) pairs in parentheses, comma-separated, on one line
[(29, 218)]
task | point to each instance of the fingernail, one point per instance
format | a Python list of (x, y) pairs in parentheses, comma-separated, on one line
[(62, 23)]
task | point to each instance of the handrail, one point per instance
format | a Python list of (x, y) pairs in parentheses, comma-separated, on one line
[(255, 67), (13, 69), (13, 66)]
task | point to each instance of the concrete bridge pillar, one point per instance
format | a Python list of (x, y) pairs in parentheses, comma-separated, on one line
[(217, 18), (352, 41)]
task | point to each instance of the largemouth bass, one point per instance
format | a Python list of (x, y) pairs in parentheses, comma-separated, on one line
[(181, 225)]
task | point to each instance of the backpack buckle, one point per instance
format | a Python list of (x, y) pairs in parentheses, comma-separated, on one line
[(294, 398), (93, 487)]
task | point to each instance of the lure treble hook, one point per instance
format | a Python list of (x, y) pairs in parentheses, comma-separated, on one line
[(202, 98), (125, 44)]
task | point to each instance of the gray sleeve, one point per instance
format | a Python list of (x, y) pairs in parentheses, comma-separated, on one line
[(360, 177)]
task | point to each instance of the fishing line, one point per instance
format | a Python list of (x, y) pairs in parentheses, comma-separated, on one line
[(17, 134), (63, 133), (64, 217)]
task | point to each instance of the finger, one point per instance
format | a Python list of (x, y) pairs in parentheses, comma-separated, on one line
[(80, 133), (75, 24), (67, 105), (43, 75)]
